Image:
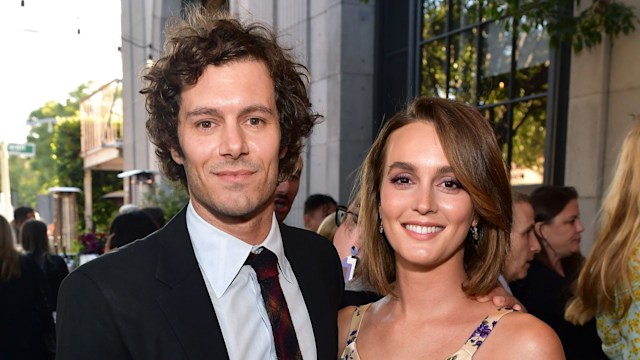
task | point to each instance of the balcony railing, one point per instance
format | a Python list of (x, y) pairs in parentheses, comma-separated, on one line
[(101, 119)]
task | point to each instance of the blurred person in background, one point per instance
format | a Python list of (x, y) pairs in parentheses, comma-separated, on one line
[(20, 215), (128, 227), (156, 214), (25, 318), (348, 244), (286, 192), (524, 244), (35, 242), (316, 208), (548, 285), (328, 227), (608, 287), (347, 237)]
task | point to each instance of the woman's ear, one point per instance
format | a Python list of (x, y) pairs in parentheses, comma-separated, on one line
[(537, 227), (475, 220)]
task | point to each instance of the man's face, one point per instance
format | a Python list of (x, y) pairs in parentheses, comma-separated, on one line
[(285, 194), (313, 219), (524, 244), (229, 132)]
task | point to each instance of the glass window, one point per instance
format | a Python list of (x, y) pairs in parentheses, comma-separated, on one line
[(504, 71), (457, 49)]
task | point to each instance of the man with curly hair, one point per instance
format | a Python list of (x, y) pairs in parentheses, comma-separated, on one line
[(228, 114)]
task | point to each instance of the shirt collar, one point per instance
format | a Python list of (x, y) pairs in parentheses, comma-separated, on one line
[(221, 255)]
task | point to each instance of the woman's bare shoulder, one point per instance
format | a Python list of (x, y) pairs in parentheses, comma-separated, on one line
[(522, 336), (345, 314)]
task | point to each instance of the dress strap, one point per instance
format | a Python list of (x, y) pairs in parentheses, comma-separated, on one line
[(350, 351), (480, 334), (356, 321)]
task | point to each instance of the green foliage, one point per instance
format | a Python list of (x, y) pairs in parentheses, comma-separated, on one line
[(65, 148), (18, 167), (170, 199), (104, 210), (582, 29), (57, 161)]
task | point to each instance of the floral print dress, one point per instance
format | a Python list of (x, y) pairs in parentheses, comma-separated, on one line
[(621, 334), (464, 353)]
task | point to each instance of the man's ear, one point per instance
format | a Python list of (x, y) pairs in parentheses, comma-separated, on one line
[(283, 152), (175, 155)]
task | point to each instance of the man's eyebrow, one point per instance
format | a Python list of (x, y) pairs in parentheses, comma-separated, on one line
[(256, 108), (203, 110), (210, 111)]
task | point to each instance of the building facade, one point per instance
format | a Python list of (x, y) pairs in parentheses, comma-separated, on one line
[(561, 117)]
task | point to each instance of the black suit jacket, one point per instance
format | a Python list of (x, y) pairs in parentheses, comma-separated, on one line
[(149, 301)]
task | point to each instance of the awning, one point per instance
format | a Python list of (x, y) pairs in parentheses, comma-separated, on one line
[(118, 194)]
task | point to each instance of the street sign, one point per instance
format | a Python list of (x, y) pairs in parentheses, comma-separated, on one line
[(27, 149)]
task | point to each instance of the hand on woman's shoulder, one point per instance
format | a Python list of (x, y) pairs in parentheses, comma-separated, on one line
[(522, 336)]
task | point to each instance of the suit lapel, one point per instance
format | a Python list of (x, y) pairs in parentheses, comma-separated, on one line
[(186, 304), (310, 279)]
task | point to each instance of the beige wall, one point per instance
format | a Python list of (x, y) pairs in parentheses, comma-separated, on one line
[(335, 40), (604, 92)]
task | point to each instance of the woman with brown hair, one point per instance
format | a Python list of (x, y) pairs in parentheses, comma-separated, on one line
[(24, 315), (435, 216), (35, 241), (548, 285)]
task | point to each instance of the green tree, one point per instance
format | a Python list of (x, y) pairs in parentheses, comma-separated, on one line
[(57, 161), (584, 28), (70, 171)]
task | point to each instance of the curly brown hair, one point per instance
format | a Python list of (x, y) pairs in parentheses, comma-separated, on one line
[(202, 38)]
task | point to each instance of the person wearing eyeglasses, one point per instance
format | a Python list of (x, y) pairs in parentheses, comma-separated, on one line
[(347, 241), (347, 236)]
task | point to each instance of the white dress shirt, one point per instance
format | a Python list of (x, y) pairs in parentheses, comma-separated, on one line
[(504, 284), (235, 292)]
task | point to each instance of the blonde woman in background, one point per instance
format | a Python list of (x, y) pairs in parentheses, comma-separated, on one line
[(608, 286), (328, 226)]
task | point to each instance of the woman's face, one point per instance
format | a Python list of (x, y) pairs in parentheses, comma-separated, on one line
[(425, 213), (563, 231), (348, 234)]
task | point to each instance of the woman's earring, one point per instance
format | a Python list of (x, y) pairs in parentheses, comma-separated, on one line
[(474, 233), (381, 229)]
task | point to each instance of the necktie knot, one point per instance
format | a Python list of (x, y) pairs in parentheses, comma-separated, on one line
[(265, 264)]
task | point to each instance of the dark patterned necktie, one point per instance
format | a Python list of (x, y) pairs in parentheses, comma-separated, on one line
[(265, 265)]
